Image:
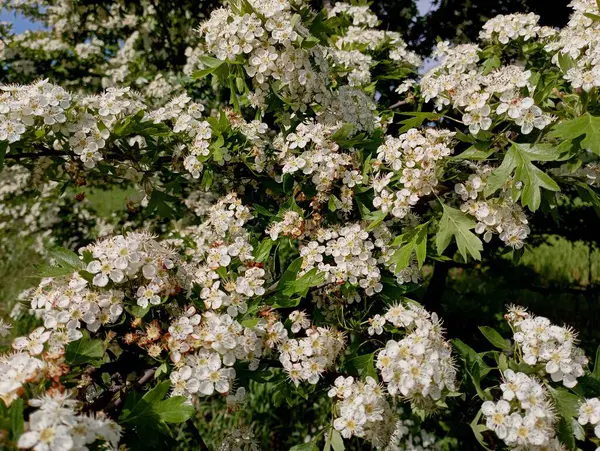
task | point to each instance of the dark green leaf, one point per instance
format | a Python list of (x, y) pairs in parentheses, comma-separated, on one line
[(174, 410), (455, 223), (84, 351), (586, 125), (494, 337)]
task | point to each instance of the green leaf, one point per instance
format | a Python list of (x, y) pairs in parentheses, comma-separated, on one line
[(66, 258), (375, 218), (85, 351), (362, 365), (477, 429), (415, 121), (264, 250), (311, 278), (468, 355), (596, 372), (494, 337), (290, 273), (337, 442), (594, 17), (474, 153), (587, 125), (152, 411), (455, 223), (212, 64), (565, 433), (310, 446), (565, 62), (490, 64), (263, 211), (17, 421), (415, 240), (174, 410), (519, 158), (567, 404)]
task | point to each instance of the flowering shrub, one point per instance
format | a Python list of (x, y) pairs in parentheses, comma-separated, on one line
[(283, 223)]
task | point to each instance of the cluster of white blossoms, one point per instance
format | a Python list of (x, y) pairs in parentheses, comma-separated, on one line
[(546, 344), (413, 156), (268, 41), (372, 39), (206, 346), (93, 121), (580, 42), (81, 125), (84, 124), (510, 27), (495, 215), (291, 225), (310, 150), (29, 107), (56, 424), (363, 411), (305, 359), (17, 369), (186, 119), (482, 97), (134, 266), (360, 14), (589, 413), (222, 243), (420, 366), (353, 64), (344, 254), (525, 417)]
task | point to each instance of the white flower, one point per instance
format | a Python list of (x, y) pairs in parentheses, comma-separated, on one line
[(46, 435)]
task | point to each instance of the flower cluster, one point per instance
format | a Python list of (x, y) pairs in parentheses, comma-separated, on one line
[(525, 417), (549, 345), (578, 42), (364, 411), (480, 96), (510, 27), (495, 215), (306, 358), (420, 366), (291, 225), (310, 150), (268, 41), (205, 347), (589, 413), (360, 14), (415, 156), (21, 107), (56, 425), (186, 116), (344, 255), (16, 370)]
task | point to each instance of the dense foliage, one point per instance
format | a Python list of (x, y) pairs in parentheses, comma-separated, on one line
[(292, 179)]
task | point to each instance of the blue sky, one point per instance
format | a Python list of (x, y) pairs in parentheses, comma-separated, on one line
[(20, 23)]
